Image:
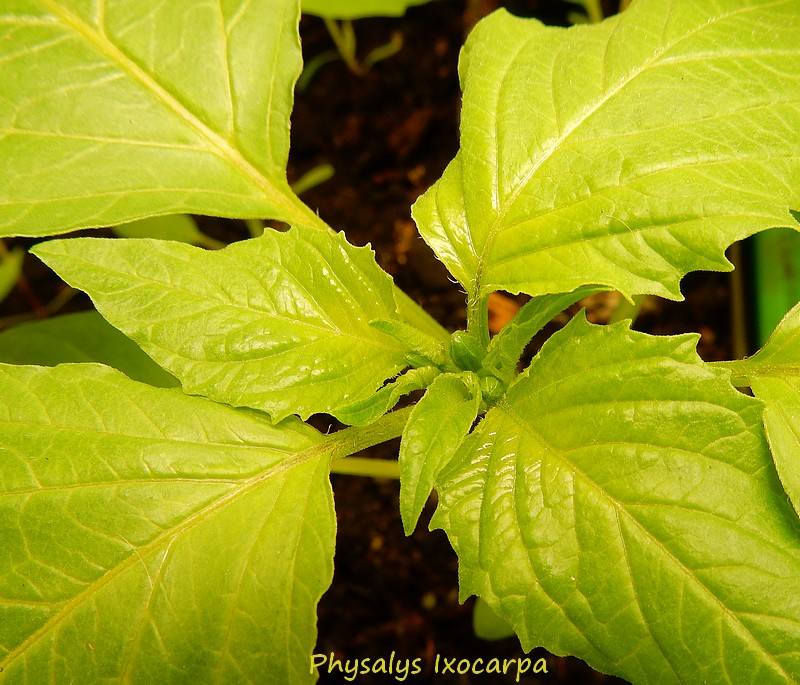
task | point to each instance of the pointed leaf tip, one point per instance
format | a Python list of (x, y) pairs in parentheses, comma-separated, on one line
[(278, 323)]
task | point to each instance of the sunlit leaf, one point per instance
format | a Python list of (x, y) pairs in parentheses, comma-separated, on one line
[(113, 111), (622, 154), (773, 373), (278, 323), (354, 9), (620, 505), (149, 536)]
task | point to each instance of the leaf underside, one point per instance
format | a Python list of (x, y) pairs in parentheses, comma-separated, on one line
[(620, 505), (622, 154), (149, 536), (80, 337)]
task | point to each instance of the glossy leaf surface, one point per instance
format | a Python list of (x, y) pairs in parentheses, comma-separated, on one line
[(278, 323), (622, 154), (81, 337), (118, 110), (773, 374), (437, 426), (149, 536), (620, 505)]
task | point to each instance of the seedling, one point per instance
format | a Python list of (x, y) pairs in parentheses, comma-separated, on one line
[(618, 500)]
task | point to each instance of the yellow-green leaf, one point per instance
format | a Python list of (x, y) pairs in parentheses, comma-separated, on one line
[(152, 537)]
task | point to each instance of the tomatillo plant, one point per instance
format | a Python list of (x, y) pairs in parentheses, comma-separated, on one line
[(618, 500)]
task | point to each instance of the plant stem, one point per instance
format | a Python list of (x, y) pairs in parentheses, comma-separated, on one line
[(349, 441), (593, 10), (345, 40), (42, 311), (478, 319), (312, 178), (359, 466), (739, 341), (738, 379), (255, 227)]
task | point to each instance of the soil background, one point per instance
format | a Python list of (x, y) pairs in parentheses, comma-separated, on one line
[(389, 134)]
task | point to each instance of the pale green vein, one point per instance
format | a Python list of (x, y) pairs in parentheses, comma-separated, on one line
[(340, 444), (292, 208), (620, 509)]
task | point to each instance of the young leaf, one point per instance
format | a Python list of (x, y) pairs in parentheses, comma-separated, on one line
[(437, 426), (426, 349), (370, 408), (116, 111), (506, 348), (149, 536), (625, 153), (773, 374), (81, 337), (620, 505), (278, 323)]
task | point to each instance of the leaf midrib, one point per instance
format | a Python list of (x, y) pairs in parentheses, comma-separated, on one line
[(334, 329), (292, 208), (139, 553), (547, 153), (779, 371)]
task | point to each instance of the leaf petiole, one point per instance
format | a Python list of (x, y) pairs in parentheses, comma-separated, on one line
[(353, 439), (361, 466)]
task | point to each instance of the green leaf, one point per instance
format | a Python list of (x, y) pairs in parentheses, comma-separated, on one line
[(367, 410), (82, 337), (437, 426), (149, 536), (623, 154), (278, 323), (179, 227), (466, 351), (487, 624), (620, 505), (355, 9), (117, 111), (10, 270), (782, 426), (506, 348), (426, 349), (773, 373)]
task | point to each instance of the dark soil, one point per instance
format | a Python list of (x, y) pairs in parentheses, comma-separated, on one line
[(389, 134)]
